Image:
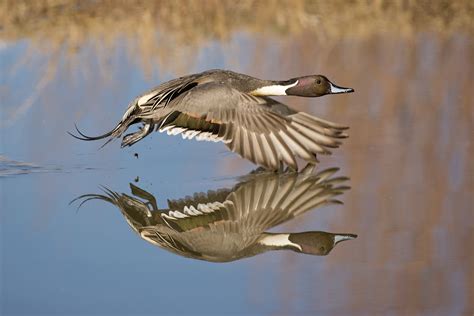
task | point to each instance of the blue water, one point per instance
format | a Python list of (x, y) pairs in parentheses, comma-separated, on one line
[(413, 221)]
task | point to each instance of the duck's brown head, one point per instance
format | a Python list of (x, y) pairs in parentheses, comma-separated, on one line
[(315, 86)]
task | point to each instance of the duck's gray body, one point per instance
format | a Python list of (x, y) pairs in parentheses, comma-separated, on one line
[(231, 224), (224, 106)]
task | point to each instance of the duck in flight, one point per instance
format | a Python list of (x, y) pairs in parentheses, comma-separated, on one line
[(236, 109), (231, 224)]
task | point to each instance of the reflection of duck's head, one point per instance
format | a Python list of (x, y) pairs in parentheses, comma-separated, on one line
[(314, 243), (230, 224)]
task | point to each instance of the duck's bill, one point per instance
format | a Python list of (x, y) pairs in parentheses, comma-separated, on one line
[(341, 237), (336, 89)]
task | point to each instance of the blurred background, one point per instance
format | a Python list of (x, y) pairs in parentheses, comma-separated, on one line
[(409, 155)]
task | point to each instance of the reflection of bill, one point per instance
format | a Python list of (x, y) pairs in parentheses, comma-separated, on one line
[(231, 224)]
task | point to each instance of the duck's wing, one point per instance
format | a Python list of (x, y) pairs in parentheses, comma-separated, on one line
[(260, 129)]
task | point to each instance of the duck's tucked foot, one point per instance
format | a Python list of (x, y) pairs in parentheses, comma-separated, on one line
[(149, 199), (130, 139)]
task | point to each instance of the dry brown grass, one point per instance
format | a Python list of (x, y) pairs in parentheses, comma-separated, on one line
[(193, 21)]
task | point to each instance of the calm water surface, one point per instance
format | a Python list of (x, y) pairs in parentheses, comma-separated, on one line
[(409, 159)]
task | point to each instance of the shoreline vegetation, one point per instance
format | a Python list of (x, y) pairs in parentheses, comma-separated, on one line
[(192, 21)]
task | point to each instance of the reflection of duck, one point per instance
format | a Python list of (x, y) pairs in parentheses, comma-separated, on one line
[(230, 224), (224, 106)]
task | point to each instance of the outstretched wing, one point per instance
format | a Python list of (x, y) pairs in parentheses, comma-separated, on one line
[(258, 128), (256, 204), (274, 199)]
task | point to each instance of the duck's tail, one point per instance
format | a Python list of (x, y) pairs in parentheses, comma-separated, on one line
[(130, 117)]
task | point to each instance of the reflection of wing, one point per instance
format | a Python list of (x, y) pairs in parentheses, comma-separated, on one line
[(275, 199), (258, 203), (198, 210)]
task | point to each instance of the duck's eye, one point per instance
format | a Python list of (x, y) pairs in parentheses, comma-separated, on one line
[(318, 81), (321, 249)]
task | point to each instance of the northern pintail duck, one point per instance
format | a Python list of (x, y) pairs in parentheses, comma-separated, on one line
[(231, 224), (233, 108)]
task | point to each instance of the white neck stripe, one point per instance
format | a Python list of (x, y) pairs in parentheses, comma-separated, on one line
[(273, 89), (278, 240)]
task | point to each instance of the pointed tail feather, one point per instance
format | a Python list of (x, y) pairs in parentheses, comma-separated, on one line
[(82, 136), (129, 118)]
